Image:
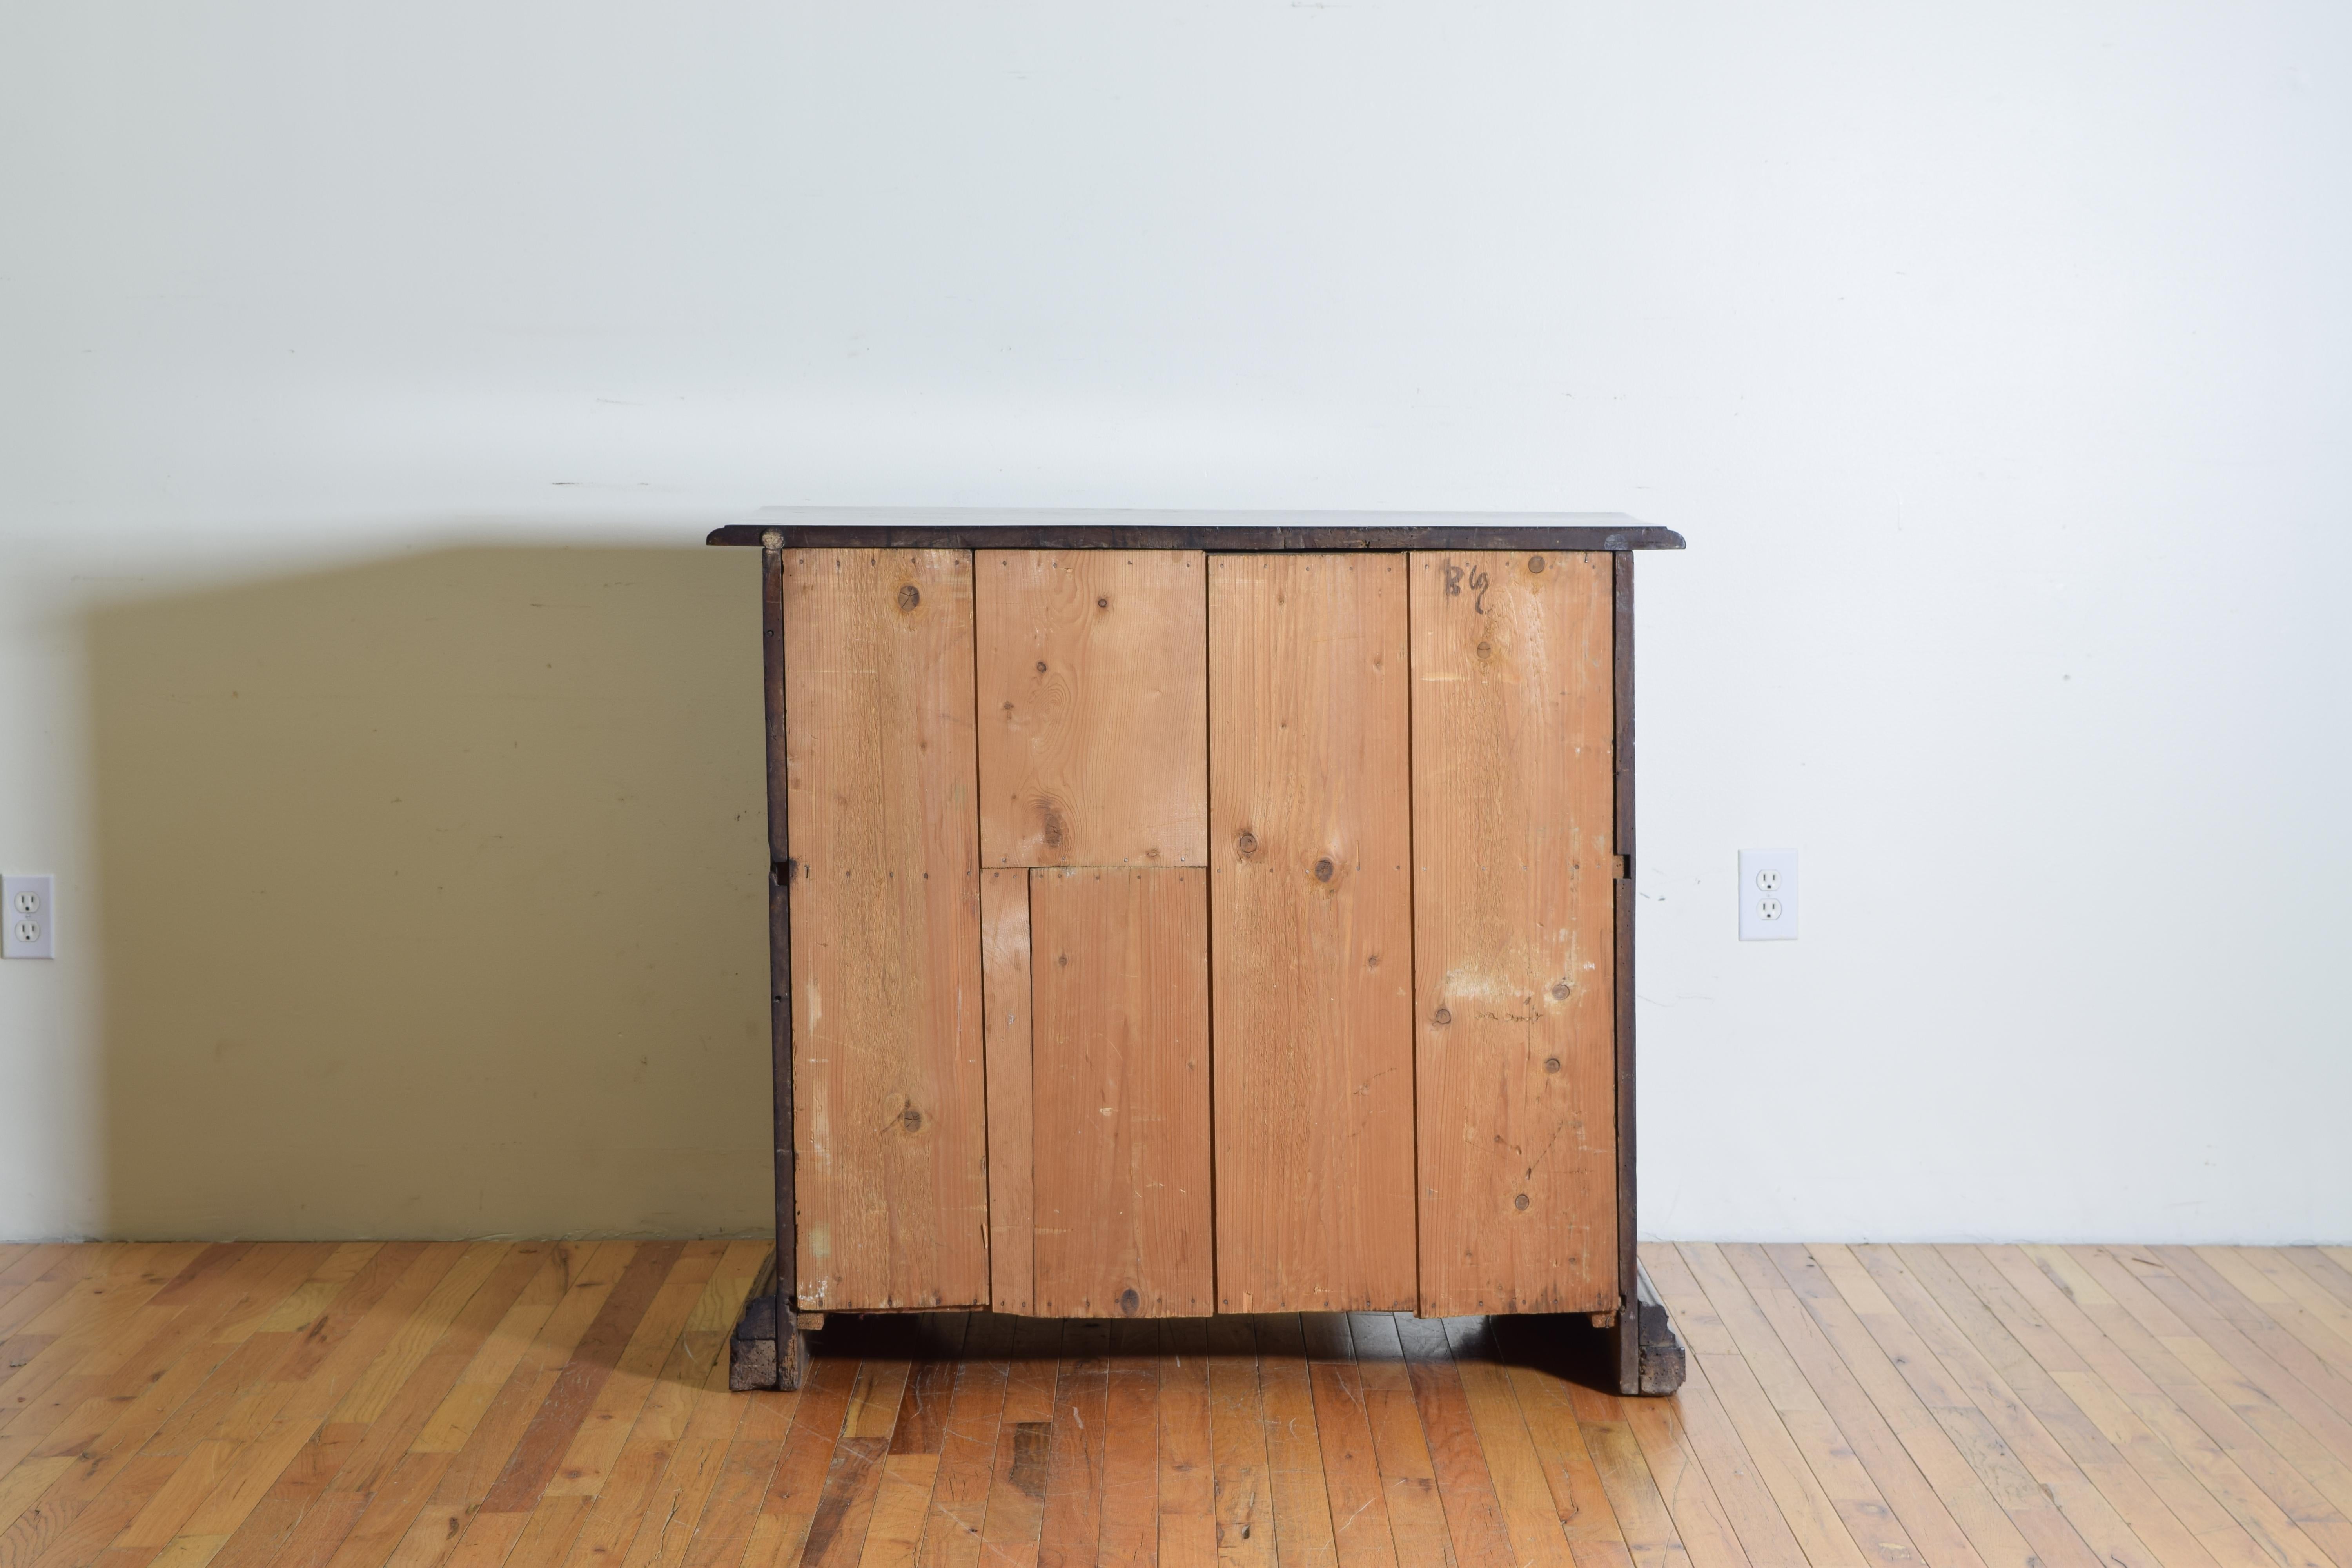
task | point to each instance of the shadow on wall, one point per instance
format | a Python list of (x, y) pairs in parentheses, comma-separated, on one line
[(434, 900)]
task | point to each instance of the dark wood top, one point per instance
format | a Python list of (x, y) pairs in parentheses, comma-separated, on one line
[(942, 528)]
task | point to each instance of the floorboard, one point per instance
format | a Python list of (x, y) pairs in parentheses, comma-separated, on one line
[(538, 1404)]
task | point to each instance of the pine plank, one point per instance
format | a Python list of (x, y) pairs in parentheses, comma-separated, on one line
[(1016, 1495), (1522, 1492), (1312, 910), (2260, 1488), (1243, 1500), (1012, 1191), (1128, 1535), (1737, 1483), (959, 1501), (558, 1420), (797, 1485), (1473, 1514), (1303, 1531), (1188, 1502), (1094, 707), (2086, 1495), (1866, 1522), (1417, 1517), (2006, 1517), (611, 1415), (2002, 1401), (1548, 1409), (2250, 1385), (1653, 1481), (1514, 923), (1360, 1531), (888, 1085), (1120, 990), (1941, 1537), (1073, 1470)]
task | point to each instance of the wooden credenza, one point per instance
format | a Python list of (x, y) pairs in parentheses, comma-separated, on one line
[(1177, 915)]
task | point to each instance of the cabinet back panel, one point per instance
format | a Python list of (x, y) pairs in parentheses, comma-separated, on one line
[(1513, 931), (889, 1144), (1094, 707), (1004, 964), (1312, 911), (1119, 988)]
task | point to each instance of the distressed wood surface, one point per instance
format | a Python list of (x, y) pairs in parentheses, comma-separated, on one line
[(1092, 707), (889, 1139), (1012, 1208), (1311, 911), (247, 1406), (1514, 931), (1120, 984)]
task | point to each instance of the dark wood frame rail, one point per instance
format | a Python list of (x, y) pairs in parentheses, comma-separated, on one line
[(769, 1347)]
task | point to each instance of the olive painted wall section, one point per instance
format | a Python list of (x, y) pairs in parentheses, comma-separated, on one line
[(431, 900)]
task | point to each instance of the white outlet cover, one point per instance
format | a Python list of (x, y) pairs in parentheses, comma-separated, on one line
[(1768, 895), (28, 917)]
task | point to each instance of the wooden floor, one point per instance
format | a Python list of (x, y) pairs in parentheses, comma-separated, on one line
[(1977, 1406)]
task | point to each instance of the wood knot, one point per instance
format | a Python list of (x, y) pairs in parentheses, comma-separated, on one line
[(1535, 563), (1520, 1203), (1485, 650), (1551, 1064), (1323, 869), (1559, 989), (1128, 1301), (1050, 820), (909, 596), (1246, 843), (1442, 1016), (912, 1119), (1104, 604), (1040, 666)]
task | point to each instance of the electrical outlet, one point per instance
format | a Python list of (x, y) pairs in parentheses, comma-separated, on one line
[(26, 909), (1768, 895)]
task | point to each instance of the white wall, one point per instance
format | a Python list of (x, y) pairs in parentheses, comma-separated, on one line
[(1996, 359)]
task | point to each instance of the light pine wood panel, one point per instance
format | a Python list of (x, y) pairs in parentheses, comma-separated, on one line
[(1119, 991), (1312, 914), (1093, 703), (888, 1092), (1012, 1213), (1513, 933)]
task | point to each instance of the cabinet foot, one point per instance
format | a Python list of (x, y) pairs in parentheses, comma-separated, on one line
[(769, 1347), (1649, 1354)]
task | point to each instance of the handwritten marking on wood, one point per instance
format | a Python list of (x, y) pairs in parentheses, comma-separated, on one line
[(1513, 931)]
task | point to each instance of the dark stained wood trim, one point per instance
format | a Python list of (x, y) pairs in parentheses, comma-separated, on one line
[(1180, 530), (784, 1296), (1628, 1331)]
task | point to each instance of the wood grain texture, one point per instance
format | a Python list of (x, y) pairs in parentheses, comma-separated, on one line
[(1094, 707), (1513, 932), (1011, 1203), (1312, 917), (1946, 1407), (1120, 982), (888, 1085)]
